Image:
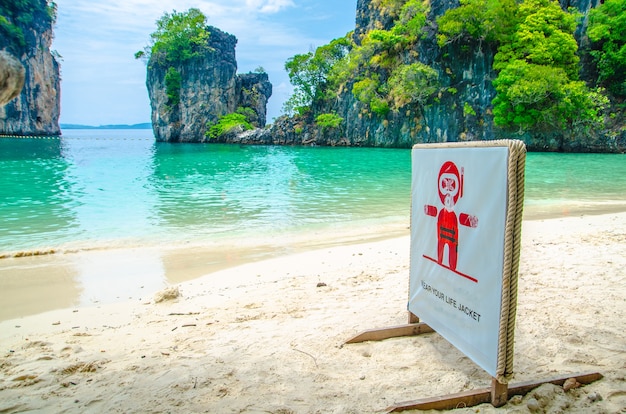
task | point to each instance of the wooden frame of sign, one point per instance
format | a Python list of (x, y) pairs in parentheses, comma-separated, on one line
[(468, 299)]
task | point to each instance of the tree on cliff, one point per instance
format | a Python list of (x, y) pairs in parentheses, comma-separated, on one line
[(178, 38), (309, 74), (538, 84), (377, 70), (607, 29), (16, 14)]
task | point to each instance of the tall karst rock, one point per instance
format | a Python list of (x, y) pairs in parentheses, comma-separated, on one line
[(458, 112), (462, 108), (209, 88), (26, 32), (458, 109), (464, 78)]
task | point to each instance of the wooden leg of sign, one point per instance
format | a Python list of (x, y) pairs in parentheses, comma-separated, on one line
[(391, 332), (414, 327), (524, 388), (497, 394)]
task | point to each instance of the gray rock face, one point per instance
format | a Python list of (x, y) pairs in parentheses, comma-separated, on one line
[(460, 112), (11, 77), (210, 88), (36, 110), (465, 75), (254, 92)]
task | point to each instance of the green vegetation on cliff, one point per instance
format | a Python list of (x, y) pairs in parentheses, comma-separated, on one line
[(538, 84), (310, 74), (172, 86), (376, 70), (536, 63), (15, 15), (178, 38), (607, 29), (490, 21), (228, 122), (329, 120)]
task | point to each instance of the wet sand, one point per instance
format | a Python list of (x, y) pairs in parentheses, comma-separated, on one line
[(76, 278)]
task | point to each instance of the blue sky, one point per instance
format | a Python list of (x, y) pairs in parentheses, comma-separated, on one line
[(102, 83)]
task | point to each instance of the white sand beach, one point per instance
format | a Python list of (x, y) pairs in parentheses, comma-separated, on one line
[(267, 337)]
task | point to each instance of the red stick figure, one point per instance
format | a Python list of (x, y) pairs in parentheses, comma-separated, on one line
[(450, 187)]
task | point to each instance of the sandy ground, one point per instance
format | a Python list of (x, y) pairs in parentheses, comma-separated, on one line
[(267, 337)]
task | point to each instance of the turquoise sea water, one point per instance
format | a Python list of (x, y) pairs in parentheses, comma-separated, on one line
[(99, 189), (180, 211)]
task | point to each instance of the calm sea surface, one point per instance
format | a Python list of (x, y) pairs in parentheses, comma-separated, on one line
[(111, 188), (145, 214)]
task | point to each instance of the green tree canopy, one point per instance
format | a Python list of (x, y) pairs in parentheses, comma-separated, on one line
[(413, 83), (227, 123), (532, 95), (17, 14), (173, 82), (328, 120), (607, 29), (179, 37), (309, 73), (544, 35), (481, 20), (537, 84)]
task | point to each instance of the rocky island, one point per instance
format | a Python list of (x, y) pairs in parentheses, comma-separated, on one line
[(193, 83), (36, 110), (418, 72)]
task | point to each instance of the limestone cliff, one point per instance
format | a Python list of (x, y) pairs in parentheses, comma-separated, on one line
[(36, 110), (467, 73), (11, 77), (254, 90), (461, 109), (209, 88)]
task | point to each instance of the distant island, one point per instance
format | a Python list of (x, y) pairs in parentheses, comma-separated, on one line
[(146, 125)]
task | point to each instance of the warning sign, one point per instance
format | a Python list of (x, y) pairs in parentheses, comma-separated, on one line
[(459, 210)]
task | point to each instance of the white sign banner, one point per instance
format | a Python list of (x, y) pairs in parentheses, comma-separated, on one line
[(459, 203)]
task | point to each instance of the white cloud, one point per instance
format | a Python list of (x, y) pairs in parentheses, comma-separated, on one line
[(268, 6)]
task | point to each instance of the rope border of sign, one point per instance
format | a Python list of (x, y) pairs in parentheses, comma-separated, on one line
[(512, 249)]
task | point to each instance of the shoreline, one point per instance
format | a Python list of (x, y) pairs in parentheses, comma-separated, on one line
[(268, 336), (33, 284)]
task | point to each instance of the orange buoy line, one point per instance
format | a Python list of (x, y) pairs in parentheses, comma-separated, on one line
[(32, 136)]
